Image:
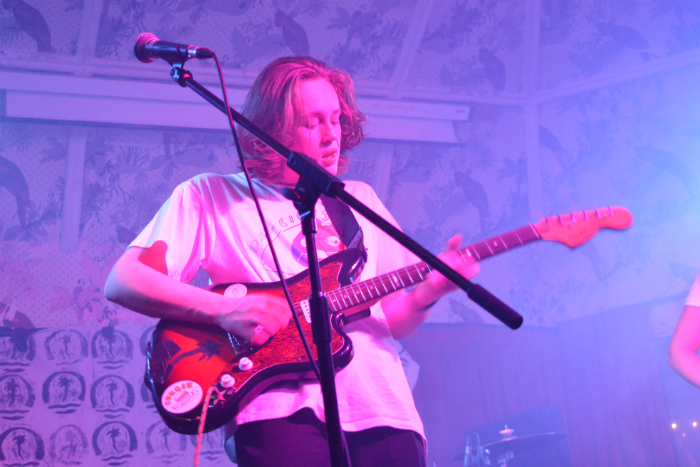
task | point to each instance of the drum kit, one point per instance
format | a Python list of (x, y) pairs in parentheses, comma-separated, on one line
[(505, 449)]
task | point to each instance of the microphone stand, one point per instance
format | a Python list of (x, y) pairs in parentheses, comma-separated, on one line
[(314, 181), (305, 197)]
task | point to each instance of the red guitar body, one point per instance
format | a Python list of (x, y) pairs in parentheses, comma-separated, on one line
[(182, 356)]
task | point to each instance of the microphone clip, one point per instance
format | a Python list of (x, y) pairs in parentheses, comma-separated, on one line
[(179, 74)]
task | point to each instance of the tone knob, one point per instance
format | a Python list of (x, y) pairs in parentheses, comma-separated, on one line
[(227, 381), (245, 364)]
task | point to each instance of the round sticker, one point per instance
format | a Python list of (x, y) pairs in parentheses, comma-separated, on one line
[(182, 396), (236, 290)]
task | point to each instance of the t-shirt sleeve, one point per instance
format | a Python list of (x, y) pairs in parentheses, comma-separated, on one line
[(179, 224), (694, 295)]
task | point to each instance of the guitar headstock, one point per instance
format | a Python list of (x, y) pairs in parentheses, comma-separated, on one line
[(574, 228)]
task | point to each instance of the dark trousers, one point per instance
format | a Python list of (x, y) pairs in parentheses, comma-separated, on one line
[(300, 440)]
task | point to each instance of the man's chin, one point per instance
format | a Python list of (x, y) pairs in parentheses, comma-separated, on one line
[(331, 166)]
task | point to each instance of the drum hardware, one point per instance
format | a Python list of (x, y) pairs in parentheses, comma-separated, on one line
[(505, 449)]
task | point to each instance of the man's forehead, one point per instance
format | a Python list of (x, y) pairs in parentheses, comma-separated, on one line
[(315, 96)]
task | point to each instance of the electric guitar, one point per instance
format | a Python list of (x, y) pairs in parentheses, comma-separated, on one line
[(185, 359)]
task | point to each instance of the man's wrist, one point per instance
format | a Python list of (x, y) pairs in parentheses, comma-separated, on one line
[(420, 305)]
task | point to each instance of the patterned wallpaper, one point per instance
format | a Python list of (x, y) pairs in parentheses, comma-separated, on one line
[(614, 112), (608, 89)]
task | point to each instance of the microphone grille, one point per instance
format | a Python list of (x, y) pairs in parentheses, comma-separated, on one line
[(140, 47)]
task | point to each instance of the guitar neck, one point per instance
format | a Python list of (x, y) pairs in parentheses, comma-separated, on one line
[(373, 289)]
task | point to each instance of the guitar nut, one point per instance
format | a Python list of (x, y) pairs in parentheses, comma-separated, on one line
[(245, 364), (227, 381)]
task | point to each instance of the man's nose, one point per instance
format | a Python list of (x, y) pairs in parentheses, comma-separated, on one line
[(328, 135)]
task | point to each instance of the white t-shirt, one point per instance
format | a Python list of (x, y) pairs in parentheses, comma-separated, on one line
[(210, 222)]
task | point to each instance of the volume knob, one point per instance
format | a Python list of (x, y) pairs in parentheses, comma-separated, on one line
[(227, 381), (245, 364)]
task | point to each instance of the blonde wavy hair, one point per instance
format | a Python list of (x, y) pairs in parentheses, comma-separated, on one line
[(269, 105)]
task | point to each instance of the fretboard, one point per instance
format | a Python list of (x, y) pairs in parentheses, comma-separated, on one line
[(377, 287)]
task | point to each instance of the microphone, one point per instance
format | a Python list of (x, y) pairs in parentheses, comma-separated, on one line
[(148, 48)]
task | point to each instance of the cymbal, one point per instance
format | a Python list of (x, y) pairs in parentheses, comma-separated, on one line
[(519, 444), (523, 443)]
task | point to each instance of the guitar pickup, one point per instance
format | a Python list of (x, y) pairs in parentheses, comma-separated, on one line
[(356, 316), (306, 309)]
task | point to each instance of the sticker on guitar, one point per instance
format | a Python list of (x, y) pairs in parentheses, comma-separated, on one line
[(236, 291), (182, 396)]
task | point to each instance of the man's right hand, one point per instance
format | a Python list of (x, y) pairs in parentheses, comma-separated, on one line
[(256, 317)]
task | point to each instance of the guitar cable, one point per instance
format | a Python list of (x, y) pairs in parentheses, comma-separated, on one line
[(264, 224), (202, 420), (210, 391)]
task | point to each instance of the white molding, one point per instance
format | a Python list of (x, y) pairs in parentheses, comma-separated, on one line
[(127, 102)]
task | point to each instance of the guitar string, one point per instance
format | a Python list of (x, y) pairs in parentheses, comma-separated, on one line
[(481, 250)]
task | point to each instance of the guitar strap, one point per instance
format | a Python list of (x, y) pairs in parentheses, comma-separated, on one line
[(346, 225)]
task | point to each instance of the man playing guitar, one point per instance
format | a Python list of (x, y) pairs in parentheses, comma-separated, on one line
[(210, 223)]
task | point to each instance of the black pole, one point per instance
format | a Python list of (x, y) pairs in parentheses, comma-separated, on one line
[(305, 198)]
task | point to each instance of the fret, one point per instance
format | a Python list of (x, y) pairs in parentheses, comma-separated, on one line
[(332, 301), (381, 281), (414, 278), (367, 285), (371, 286), (350, 297), (498, 245), (392, 280), (513, 238), (344, 301), (377, 289), (483, 251), (363, 295), (398, 274), (418, 271), (486, 250), (519, 236), (535, 232)]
